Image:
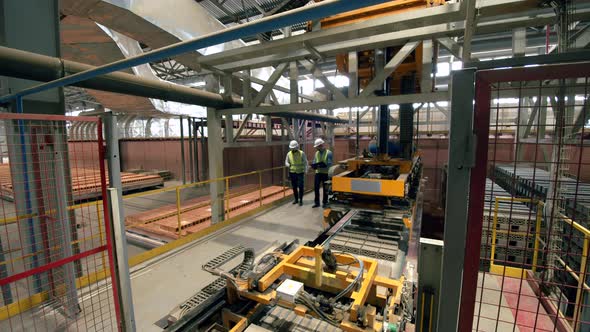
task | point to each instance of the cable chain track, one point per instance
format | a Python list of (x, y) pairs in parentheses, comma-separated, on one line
[(218, 284)]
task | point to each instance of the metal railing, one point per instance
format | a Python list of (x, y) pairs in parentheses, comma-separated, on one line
[(252, 182)]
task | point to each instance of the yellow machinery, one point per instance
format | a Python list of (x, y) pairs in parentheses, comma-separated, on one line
[(294, 288), (387, 188), (395, 184)]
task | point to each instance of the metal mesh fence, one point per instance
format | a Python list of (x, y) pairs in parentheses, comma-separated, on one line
[(535, 237), (54, 239)]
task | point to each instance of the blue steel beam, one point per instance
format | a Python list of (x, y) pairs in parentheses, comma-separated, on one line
[(308, 13)]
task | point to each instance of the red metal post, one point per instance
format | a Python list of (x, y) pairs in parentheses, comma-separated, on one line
[(481, 123)]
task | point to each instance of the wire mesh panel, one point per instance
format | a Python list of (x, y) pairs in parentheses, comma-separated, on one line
[(531, 232), (54, 237)]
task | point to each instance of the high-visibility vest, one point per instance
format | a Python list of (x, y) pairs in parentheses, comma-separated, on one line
[(322, 157), (297, 165)]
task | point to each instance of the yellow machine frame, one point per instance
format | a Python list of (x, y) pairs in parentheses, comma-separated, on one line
[(391, 188), (304, 264)]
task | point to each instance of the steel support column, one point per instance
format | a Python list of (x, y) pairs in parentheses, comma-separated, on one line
[(215, 154), (470, 24), (353, 89), (229, 121), (204, 161), (191, 161), (294, 96), (118, 216), (460, 163), (195, 130), (182, 159), (268, 131), (330, 130), (428, 66), (229, 128)]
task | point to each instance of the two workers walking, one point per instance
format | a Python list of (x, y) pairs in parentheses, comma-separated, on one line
[(298, 166)]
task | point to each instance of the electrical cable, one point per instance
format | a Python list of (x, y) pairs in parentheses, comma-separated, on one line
[(356, 279), (304, 299)]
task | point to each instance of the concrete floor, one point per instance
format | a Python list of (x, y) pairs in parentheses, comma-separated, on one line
[(161, 285), (508, 304)]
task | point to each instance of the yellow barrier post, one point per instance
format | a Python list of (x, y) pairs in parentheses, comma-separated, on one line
[(422, 310), (227, 198), (178, 215), (260, 187), (581, 282), (100, 232)]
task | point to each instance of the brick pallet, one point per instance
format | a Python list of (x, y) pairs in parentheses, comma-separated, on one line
[(574, 196), (517, 217), (365, 244), (196, 213), (85, 182), (573, 201)]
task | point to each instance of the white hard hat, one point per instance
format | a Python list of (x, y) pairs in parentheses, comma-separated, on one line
[(318, 142), (293, 145)]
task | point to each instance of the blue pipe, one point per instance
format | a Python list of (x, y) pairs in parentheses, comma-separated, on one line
[(309, 13), (29, 209)]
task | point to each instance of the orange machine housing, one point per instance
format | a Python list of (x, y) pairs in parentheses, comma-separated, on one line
[(412, 65)]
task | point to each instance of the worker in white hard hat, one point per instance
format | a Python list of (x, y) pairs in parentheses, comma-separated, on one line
[(322, 162), (297, 164)]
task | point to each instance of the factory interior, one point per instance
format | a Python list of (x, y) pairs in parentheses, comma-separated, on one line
[(317, 165)]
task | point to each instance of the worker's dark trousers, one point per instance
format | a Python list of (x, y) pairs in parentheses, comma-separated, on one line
[(297, 181), (320, 181)]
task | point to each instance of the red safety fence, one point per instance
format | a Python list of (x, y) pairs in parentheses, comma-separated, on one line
[(529, 202), (55, 241)]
